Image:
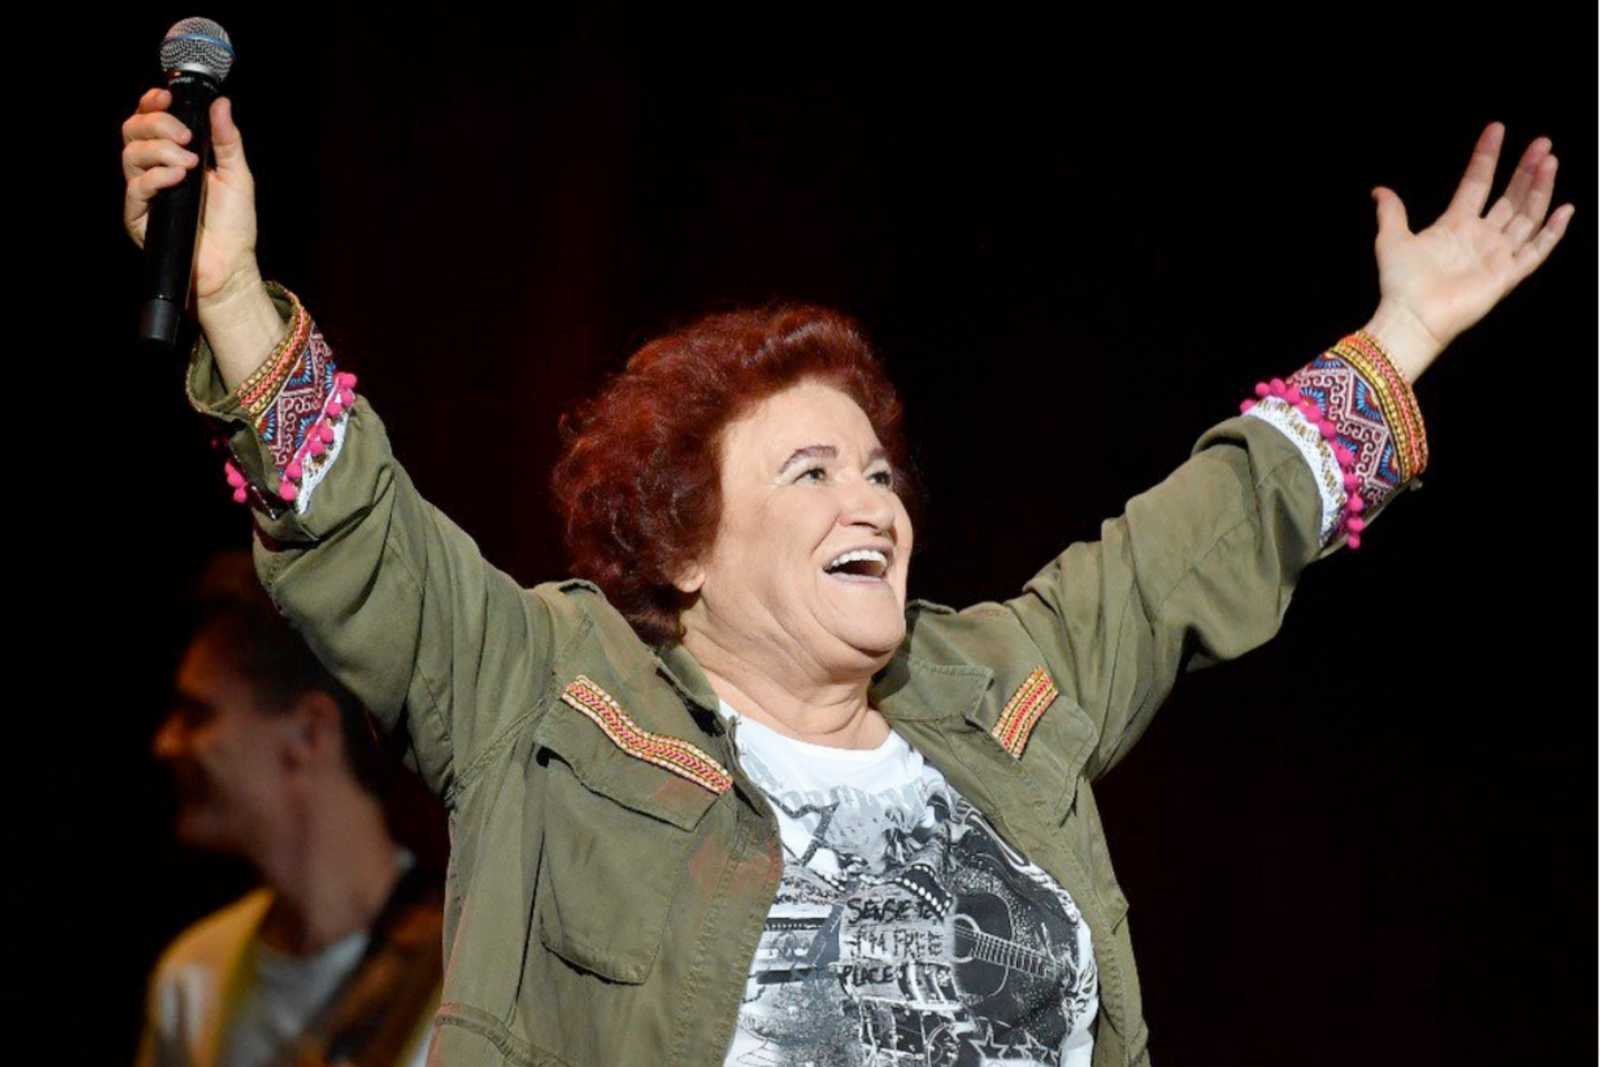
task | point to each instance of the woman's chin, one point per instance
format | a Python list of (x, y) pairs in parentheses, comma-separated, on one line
[(878, 643)]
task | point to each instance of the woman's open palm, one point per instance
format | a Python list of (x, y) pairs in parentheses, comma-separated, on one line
[(1448, 276)]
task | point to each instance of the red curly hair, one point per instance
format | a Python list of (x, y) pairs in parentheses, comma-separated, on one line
[(638, 485)]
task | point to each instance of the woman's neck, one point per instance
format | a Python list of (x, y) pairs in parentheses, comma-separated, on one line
[(832, 713)]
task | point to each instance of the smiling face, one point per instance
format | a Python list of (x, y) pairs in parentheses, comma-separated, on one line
[(809, 566), (225, 753)]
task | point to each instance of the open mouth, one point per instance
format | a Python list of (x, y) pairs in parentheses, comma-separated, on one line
[(861, 563)]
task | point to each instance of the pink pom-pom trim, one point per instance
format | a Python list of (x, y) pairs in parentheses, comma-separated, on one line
[(316, 443), (1354, 505)]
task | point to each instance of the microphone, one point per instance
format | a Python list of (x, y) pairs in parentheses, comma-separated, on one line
[(197, 55)]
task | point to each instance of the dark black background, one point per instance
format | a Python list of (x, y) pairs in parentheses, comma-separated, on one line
[(1078, 242)]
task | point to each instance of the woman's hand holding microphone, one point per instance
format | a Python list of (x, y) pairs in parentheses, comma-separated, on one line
[(238, 317)]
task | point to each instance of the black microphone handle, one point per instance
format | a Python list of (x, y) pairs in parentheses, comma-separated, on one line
[(173, 228)]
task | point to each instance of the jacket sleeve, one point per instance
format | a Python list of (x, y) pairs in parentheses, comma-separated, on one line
[(1201, 567), (391, 595)]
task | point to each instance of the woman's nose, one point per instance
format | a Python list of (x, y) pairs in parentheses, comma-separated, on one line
[(867, 504)]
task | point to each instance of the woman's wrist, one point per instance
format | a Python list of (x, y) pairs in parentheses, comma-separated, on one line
[(242, 327), (1410, 346)]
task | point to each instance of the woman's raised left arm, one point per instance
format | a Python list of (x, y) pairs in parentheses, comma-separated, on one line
[(1201, 567)]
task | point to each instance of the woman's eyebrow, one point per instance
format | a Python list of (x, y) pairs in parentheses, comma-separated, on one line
[(809, 452), (827, 452)]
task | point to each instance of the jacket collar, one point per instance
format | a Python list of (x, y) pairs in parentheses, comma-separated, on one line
[(679, 668), (918, 687), (917, 690), (605, 648)]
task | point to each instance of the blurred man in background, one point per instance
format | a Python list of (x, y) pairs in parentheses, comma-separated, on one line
[(336, 957)]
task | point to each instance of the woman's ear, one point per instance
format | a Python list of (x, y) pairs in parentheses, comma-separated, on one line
[(689, 580)]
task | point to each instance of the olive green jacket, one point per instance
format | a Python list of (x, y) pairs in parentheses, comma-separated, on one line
[(605, 902)]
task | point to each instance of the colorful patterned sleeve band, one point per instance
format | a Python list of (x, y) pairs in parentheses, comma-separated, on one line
[(297, 403), (1354, 418)]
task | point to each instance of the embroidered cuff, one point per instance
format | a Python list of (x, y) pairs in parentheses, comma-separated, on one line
[(1356, 421), (295, 404), (1383, 380)]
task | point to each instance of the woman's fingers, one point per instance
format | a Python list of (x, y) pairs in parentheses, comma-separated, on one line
[(153, 156), (1527, 258), (1530, 215), (1473, 192), (152, 137), (157, 99), (1391, 214), (152, 181), (1522, 180), (141, 190), (140, 156), (227, 143), (1520, 211), (154, 126), (225, 136)]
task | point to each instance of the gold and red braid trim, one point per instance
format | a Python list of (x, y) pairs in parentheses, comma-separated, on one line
[(1363, 352), (674, 754), (1022, 711), (258, 391)]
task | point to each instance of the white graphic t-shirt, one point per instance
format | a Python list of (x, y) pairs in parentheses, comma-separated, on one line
[(905, 931)]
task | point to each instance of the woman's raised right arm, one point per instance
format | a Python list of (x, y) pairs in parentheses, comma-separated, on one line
[(392, 596)]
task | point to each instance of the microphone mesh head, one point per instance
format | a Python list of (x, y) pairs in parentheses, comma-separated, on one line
[(198, 45)]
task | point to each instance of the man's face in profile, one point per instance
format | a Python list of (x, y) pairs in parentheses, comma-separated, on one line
[(226, 753)]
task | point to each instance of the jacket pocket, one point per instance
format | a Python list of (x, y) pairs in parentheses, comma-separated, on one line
[(617, 836), (1057, 753)]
